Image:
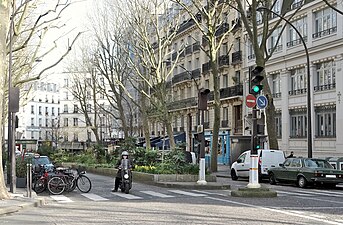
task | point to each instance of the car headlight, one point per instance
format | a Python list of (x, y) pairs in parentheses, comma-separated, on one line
[(126, 176)]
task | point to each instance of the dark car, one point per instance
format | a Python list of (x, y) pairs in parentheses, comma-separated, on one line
[(306, 171), (39, 160)]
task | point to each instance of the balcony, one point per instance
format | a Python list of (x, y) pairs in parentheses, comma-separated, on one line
[(236, 57), (296, 42), (189, 50), (223, 60), (186, 76), (184, 103), (298, 91), (229, 92), (325, 87), (222, 29), (184, 26), (196, 46), (206, 67), (252, 56), (204, 41), (325, 32)]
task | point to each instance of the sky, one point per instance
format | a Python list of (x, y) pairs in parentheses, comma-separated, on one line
[(75, 20)]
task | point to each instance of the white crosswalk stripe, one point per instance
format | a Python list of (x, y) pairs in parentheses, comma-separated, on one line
[(157, 194), (94, 197), (127, 196), (293, 193), (61, 198), (187, 193), (322, 192)]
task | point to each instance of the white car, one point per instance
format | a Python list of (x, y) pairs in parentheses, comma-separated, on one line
[(267, 158)]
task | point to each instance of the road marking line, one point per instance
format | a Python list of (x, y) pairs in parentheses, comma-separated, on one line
[(94, 197), (321, 200), (127, 196), (332, 193), (276, 211), (61, 198), (293, 193), (320, 193), (187, 193), (210, 193), (157, 194)]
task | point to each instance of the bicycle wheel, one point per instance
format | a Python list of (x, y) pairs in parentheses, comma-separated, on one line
[(56, 185), (84, 184), (39, 185), (70, 183)]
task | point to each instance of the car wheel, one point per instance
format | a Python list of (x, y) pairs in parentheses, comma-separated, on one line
[(234, 175), (272, 179), (302, 182)]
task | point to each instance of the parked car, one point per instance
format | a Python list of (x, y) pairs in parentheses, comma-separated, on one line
[(38, 160), (267, 158), (306, 171)]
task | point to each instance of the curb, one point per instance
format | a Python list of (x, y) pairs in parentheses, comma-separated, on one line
[(254, 193), (12, 209)]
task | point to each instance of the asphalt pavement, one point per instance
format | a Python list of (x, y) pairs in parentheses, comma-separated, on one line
[(20, 200)]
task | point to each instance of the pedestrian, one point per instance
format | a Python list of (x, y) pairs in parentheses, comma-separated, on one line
[(291, 155)]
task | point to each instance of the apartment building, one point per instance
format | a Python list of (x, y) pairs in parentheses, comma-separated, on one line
[(39, 113), (322, 29), (193, 72)]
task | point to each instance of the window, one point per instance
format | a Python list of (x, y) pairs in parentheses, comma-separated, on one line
[(76, 109), (46, 122), (226, 113), (89, 107), (276, 85), (89, 95), (273, 41), (325, 22), (298, 81), (237, 77), (40, 135), (46, 111), (102, 82), (40, 110), (65, 82), (225, 81), (32, 135), (32, 109), (326, 76), (207, 84), (325, 121), (65, 108), (278, 125), (296, 163), (224, 49), (32, 121), (66, 95), (276, 8), (76, 137), (65, 122), (301, 25), (53, 111), (40, 122), (298, 123)]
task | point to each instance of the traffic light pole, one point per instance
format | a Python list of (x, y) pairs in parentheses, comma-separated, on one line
[(202, 164), (253, 172)]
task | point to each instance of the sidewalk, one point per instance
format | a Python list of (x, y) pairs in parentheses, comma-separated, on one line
[(19, 201)]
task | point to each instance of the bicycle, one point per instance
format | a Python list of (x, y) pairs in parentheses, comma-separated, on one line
[(40, 179), (66, 180)]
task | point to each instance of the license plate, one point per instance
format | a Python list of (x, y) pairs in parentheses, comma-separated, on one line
[(331, 176)]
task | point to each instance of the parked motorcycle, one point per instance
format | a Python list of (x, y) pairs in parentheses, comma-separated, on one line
[(126, 176)]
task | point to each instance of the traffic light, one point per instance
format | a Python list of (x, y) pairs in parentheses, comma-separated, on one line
[(256, 145), (256, 79), (203, 98)]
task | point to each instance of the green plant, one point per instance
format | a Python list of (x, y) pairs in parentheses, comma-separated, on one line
[(21, 167), (143, 157)]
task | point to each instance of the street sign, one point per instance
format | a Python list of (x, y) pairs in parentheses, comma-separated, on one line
[(261, 102), (250, 101)]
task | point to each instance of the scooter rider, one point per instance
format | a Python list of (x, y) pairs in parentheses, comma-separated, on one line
[(117, 179)]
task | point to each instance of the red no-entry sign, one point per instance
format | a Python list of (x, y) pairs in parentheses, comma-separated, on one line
[(250, 101)]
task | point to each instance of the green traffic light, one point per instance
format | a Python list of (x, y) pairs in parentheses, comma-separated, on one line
[(257, 88)]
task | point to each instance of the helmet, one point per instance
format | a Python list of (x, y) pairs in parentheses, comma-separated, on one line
[(124, 153)]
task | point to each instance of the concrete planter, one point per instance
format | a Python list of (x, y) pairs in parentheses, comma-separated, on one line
[(147, 177)]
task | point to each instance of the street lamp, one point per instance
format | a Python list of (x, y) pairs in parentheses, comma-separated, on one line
[(309, 125)]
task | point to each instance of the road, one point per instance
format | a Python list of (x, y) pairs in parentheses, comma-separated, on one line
[(155, 205)]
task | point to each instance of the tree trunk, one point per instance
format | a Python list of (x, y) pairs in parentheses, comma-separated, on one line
[(216, 106), (170, 134), (145, 121), (4, 22)]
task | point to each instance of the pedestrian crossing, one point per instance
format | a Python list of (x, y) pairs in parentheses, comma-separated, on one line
[(174, 193), (137, 195)]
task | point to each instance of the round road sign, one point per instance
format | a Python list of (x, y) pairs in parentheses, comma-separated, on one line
[(250, 101)]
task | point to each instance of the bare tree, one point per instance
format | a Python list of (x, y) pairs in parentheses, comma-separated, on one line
[(210, 19), (259, 30), (30, 24)]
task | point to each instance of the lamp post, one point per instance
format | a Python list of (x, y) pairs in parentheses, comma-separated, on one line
[(309, 125)]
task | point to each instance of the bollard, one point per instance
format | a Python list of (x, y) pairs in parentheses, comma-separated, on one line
[(29, 180)]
